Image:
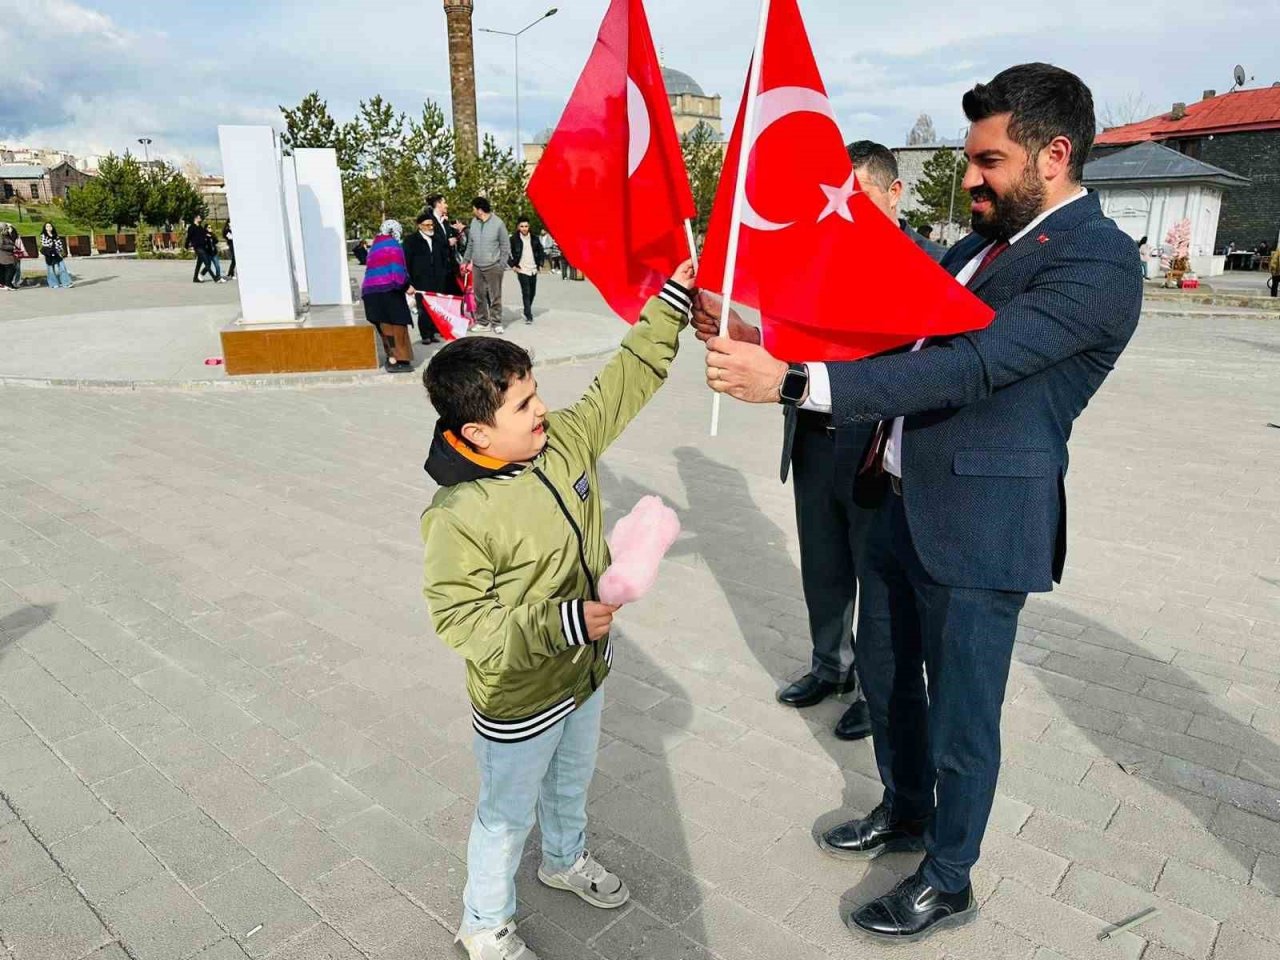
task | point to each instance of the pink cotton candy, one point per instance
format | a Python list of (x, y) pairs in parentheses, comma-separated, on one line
[(638, 543)]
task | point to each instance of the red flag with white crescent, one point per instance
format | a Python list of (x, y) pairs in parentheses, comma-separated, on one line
[(832, 276), (611, 186)]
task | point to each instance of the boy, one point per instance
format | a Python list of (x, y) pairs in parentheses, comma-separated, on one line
[(514, 548)]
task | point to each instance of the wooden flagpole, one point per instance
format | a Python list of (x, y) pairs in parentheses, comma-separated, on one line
[(740, 190)]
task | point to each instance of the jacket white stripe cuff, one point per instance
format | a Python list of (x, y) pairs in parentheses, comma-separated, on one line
[(573, 622), (674, 295)]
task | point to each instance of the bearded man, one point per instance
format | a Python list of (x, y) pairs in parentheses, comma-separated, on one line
[(967, 465)]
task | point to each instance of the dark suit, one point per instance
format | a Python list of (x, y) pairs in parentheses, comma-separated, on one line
[(444, 229), (981, 519), (428, 267), (830, 525)]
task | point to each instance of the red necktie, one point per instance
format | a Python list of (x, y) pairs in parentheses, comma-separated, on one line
[(874, 462)]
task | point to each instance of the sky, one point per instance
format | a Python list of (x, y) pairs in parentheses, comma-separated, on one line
[(92, 76)]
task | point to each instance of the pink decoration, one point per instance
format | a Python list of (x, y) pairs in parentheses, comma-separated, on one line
[(638, 543)]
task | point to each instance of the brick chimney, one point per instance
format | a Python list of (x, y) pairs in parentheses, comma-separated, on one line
[(462, 74), (1179, 111), (1208, 94)]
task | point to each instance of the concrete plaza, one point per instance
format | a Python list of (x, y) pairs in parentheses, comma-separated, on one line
[(226, 728)]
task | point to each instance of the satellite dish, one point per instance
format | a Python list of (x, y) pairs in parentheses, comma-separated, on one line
[(1239, 75)]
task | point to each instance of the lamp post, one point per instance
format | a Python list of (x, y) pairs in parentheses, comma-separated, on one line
[(951, 209), (146, 149), (516, 37)]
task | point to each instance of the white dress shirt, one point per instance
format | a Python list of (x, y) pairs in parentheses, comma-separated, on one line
[(819, 399)]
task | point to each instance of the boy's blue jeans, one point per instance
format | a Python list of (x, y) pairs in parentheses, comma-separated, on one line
[(548, 774)]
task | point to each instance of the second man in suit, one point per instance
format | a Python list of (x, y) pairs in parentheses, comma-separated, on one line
[(426, 257)]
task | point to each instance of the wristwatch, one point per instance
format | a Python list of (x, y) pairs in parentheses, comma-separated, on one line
[(795, 383)]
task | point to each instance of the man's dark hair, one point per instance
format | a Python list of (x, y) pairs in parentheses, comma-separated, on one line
[(481, 204), (424, 216), (1044, 102), (467, 380), (433, 199), (523, 220), (926, 230), (876, 160)]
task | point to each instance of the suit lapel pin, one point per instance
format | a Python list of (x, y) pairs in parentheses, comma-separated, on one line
[(1043, 238)]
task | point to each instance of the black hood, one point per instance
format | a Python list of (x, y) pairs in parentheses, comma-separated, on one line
[(449, 466)]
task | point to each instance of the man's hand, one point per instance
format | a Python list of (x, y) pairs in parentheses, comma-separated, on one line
[(744, 371), (706, 320), (599, 618), (685, 276)]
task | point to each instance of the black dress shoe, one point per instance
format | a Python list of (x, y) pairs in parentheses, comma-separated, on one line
[(808, 691), (912, 910), (874, 834), (856, 722)]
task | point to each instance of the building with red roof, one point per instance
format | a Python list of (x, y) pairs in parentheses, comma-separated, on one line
[(1238, 132)]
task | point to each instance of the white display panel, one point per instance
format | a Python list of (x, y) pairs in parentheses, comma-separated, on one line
[(324, 227)]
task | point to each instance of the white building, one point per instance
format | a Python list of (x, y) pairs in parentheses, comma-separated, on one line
[(1147, 188)]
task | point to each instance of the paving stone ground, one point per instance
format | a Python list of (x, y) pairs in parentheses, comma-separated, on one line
[(227, 731)]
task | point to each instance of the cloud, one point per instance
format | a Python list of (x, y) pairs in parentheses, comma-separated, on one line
[(97, 75)]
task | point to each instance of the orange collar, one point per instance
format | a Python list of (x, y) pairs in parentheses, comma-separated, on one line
[(475, 456)]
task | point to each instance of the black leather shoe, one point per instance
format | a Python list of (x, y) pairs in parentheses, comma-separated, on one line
[(912, 910), (856, 722), (809, 691), (873, 835)]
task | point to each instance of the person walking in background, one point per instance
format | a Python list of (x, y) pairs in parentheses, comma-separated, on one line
[(1274, 265), (426, 255), (361, 252), (550, 249), (198, 242), (527, 257), (385, 282), (488, 248), (54, 251), (231, 250), (213, 260), (9, 265)]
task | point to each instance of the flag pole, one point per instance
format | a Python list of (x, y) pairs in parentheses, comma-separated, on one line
[(740, 190), (693, 247)]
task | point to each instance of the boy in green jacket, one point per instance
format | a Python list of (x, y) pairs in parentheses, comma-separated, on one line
[(515, 545)]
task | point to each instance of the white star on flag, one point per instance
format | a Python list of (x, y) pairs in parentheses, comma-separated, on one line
[(838, 199)]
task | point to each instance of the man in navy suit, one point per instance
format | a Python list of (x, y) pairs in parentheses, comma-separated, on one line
[(968, 460)]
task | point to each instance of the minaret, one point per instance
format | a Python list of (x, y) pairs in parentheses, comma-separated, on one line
[(462, 74)]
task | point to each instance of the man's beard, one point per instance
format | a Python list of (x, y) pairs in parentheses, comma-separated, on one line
[(1011, 213)]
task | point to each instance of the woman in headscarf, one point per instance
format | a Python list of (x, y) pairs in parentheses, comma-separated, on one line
[(385, 282)]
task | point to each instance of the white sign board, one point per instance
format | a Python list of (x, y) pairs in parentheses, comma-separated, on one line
[(324, 226), (255, 202)]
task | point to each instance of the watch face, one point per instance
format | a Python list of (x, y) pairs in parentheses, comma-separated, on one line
[(793, 385)]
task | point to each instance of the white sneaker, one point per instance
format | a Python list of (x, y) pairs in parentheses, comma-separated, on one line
[(590, 881), (499, 328), (500, 944)]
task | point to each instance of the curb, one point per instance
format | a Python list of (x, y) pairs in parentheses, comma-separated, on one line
[(282, 381)]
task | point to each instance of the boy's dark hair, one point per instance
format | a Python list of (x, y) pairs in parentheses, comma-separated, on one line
[(481, 204), (877, 160), (1045, 102), (467, 380), (433, 199)]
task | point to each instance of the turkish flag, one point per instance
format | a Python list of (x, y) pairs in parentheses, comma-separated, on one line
[(611, 186), (832, 276)]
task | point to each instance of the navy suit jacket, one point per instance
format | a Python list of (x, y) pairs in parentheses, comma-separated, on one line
[(849, 446), (988, 414)]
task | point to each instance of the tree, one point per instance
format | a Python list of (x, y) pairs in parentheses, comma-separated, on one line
[(171, 198), (116, 196), (1130, 108), (703, 160), (310, 124), (495, 174), (91, 204), (939, 190), (431, 147), (922, 132)]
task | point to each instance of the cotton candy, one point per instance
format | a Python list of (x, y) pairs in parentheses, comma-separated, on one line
[(638, 543)]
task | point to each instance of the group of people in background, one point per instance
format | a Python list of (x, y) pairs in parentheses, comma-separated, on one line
[(434, 258), (203, 242), (13, 251)]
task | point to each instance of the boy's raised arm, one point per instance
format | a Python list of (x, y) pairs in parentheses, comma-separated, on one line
[(634, 374)]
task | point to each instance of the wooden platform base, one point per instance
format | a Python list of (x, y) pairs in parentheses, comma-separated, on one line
[(327, 338)]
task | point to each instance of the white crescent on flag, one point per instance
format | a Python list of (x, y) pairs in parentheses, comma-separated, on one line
[(639, 127), (772, 106)]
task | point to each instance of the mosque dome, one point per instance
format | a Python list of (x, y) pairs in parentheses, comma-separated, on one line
[(678, 83)]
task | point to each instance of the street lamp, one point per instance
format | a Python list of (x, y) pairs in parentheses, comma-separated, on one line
[(146, 151), (951, 210), (516, 37)]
